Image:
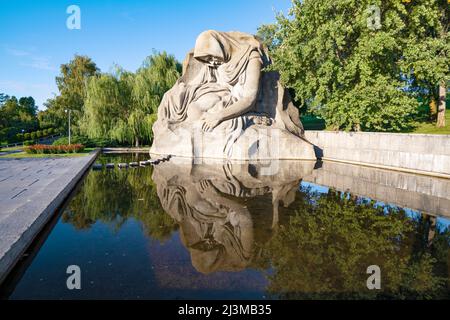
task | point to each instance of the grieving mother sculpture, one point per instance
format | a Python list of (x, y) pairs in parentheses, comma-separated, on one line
[(226, 106)]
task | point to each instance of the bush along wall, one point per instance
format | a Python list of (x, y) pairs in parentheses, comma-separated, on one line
[(50, 149)]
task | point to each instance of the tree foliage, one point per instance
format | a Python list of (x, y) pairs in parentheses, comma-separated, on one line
[(123, 106), (16, 115), (268, 33), (323, 248), (355, 73), (71, 83), (117, 195)]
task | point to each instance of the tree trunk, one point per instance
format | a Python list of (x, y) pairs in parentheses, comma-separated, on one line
[(441, 108), (137, 142)]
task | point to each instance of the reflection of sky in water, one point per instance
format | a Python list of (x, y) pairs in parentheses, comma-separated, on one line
[(441, 221), (120, 258)]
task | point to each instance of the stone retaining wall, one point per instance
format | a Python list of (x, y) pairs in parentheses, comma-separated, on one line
[(422, 193), (419, 153)]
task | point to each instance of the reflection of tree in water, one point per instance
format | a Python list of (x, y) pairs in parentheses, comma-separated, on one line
[(325, 247), (113, 196), (310, 245)]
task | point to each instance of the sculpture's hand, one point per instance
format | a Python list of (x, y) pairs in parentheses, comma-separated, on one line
[(211, 121)]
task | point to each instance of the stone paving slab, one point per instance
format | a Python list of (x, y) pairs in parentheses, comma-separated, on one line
[(31, 190)]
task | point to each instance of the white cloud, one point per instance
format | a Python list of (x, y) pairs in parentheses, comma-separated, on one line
[(41, 63), (30, 59), (17, 52), (39, 91), (10, 85)]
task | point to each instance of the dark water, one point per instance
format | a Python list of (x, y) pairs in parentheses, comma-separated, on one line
[(241, 231)]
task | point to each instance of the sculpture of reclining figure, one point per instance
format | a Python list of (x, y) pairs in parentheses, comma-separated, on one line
[(225, 106)]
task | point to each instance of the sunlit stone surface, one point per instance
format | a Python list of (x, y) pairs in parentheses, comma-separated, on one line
[(225, 106), (202, 198)]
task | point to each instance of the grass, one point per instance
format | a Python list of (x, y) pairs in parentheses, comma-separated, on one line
[(23, 155), (430, 128), (12, 148), (314, 123)]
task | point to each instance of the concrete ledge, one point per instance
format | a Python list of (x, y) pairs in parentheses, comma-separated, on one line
[(418, 192), (19, 228), (427, 154), (126, 150)]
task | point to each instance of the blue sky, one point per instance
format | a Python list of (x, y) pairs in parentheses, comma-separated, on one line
[(35, 39)]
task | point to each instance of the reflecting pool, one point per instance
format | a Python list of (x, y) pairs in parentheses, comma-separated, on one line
[(241, 231)]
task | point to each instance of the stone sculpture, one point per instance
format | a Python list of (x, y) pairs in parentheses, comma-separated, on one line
[(225, 105), (206, 201)]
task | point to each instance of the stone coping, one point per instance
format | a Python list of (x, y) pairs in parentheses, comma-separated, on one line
[(25, 213)]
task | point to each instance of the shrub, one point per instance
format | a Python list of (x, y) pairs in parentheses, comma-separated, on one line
[(90, 143), (27, 136), (19, 136), (33, 135), (51, 149), (38, 134), (28, 142), (50, 131), (45, 132)]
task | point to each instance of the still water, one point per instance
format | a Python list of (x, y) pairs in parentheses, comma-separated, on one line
[(232, 231)]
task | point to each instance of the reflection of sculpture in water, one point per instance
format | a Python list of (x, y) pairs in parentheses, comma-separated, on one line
[(224, 105), (206, 201)]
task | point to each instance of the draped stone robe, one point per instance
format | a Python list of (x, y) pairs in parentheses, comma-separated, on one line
[(207, 89)]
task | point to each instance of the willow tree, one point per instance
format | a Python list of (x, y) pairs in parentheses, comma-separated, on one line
[(122, 106), (113, 197), (158, 74), (106, 107)]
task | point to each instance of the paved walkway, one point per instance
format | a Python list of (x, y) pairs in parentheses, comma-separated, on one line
[(30, 192), (4, 153)]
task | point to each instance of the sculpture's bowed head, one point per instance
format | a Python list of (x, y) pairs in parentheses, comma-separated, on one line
[(210, 50)]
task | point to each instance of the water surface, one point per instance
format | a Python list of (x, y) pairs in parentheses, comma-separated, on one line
[(232, 231)]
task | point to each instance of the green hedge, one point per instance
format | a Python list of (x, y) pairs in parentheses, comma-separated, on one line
[(89, 143)]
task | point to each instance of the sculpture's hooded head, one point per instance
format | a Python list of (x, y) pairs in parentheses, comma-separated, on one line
[(232, 49), (225, 46), (211, 49)]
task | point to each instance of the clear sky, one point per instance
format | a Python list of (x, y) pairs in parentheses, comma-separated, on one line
[(35, 39)]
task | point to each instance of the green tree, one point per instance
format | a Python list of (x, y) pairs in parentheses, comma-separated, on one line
[(158, 74), (106, 107), (115, 196), (16, 115), (269, 33), (345, 66), (123, 106), (3, 98), (28, 106), (323, 249), (427, 53), (71, 83)]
